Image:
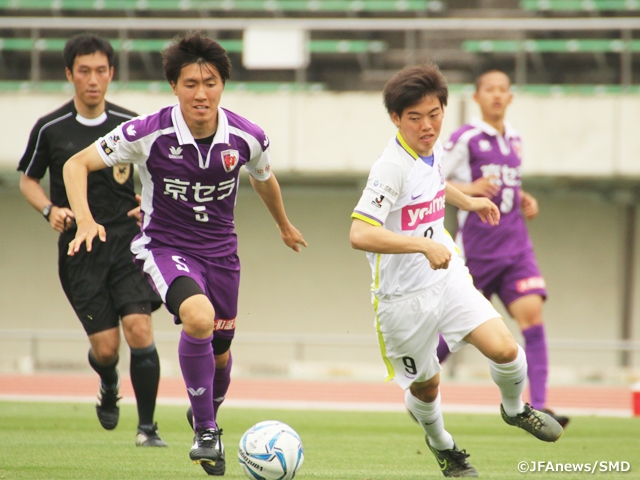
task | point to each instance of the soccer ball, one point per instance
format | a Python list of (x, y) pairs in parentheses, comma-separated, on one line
[(270, 450)]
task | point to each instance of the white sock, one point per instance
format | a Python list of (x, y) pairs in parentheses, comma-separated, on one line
[(429, 415), (510, 378)]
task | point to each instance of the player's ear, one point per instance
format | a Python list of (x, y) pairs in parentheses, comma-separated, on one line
[(69, 74), (111, 70), (395, 119), (173, 87)]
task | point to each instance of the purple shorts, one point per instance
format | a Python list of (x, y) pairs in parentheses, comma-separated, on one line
[(219, 279), (509, 277)]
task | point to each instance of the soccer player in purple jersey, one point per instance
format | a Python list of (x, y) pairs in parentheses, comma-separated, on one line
[(189, 156), (483, 159)]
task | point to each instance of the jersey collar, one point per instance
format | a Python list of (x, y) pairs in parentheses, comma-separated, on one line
[(509, 131), (405, 146), (185, 136)]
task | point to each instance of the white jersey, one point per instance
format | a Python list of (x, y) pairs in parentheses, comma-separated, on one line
[(405, 195)]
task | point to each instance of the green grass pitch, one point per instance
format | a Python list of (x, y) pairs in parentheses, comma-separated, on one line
[(65, 441)]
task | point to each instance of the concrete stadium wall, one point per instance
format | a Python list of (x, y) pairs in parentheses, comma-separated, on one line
[(344, 132), (323, 292)]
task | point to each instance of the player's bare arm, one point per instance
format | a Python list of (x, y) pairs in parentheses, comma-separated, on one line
[(370, 238), (269, 192), (485, 208), (75, 173), (482, 187), (60, 218), (529, 205)]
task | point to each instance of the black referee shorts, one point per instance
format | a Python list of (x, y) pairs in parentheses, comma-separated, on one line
[(105, 284)]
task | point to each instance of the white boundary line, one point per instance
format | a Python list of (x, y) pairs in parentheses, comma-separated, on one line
[(318, 406)]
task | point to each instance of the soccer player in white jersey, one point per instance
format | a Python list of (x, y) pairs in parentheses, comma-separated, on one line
[(420, 284), (189, 157)]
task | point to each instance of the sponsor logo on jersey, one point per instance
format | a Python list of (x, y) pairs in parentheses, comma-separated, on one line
[(484, 145), (222, 324), (531, 283), (122, 172), (175, 153), (427, 212), (384, 187), (229, 159), (131, 130), (377, 202)]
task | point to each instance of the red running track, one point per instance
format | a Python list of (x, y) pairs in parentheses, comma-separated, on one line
[(325, 394)]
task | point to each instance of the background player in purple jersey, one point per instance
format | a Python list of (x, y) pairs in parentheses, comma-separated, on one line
[(189, 157), (483, 159), (105, 289)]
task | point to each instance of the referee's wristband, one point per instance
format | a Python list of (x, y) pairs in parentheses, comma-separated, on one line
[(46, 211)]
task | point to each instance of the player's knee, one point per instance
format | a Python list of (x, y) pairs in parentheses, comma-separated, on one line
[(138, 330), (105, 353), (426, 391), (507, 353)]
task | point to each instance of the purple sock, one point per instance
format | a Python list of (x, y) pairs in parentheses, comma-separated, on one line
[(443, 350), (197, 365), (536, 350), (221, 384)]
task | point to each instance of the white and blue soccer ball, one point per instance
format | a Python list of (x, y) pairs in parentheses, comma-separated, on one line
[(270, 450)]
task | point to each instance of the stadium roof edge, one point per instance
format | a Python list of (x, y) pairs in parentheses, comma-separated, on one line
[(334, 24)]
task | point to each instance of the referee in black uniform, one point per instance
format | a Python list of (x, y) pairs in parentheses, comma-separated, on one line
[(104, 287)]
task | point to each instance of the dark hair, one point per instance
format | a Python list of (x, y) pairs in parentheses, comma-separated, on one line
[(194, 48), (411, 84), (482, 75), (86, 44)]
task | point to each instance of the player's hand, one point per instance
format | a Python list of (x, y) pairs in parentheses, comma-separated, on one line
[(485, 187), (61, 219), (87, 231), (292, 238), (135, 212), (486, 210), (529, 205), (438, 255)]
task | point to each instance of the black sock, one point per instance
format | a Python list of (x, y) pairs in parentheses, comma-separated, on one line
[(108, 373), (145, 376)]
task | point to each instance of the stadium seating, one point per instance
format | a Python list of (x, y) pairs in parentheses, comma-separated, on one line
[(551, 46), (581, 5), (243, 6), (153, 45)]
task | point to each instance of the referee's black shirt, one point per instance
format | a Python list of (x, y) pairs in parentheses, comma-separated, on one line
[(59, 135)]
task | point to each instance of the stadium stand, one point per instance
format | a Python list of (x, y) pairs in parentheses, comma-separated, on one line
[(581, 5)]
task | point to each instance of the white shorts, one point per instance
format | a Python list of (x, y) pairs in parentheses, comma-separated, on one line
[(408, 326)]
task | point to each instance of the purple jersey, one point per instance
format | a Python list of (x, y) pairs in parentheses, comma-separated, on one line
[(188, 190), (478, 150)]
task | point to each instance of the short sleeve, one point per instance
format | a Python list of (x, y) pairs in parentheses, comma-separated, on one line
[(380, 194), (259, 165), (37, 156), (114, 148), (455, 161)]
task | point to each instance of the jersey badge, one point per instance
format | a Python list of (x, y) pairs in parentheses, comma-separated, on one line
[(108, 144), (229, 159), (484, 145), (517, 147), (377, 202), (122, 172)]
